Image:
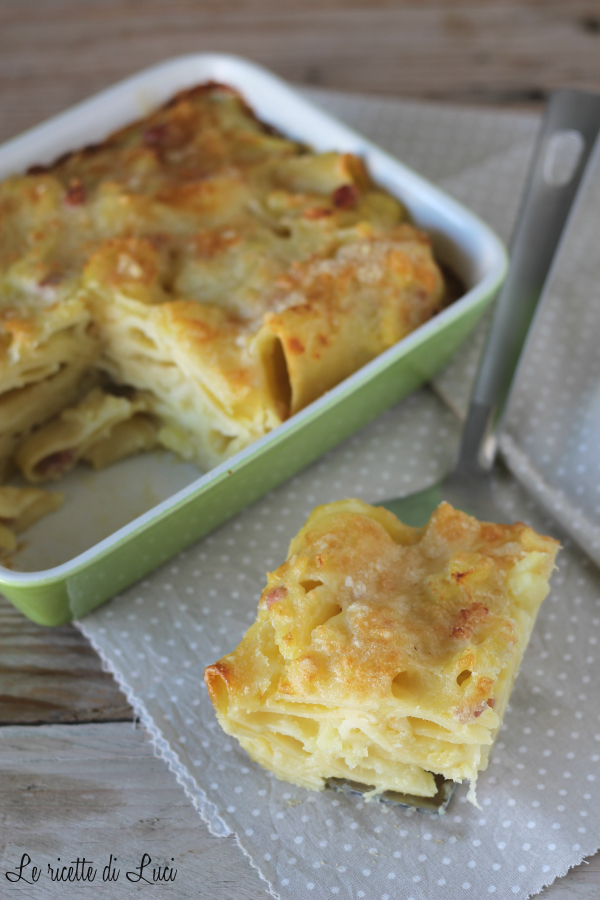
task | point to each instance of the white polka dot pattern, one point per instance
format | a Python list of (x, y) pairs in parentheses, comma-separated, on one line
[(538, 814), (552, 437)]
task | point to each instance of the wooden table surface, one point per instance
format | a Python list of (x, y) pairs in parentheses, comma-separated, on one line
[(76, 775)]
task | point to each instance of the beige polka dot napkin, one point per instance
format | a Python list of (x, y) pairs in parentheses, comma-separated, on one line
[(539, 810)]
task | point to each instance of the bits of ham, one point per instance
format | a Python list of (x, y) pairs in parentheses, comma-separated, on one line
[(275, 595)]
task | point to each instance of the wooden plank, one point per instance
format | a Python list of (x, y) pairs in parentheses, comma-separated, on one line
[(580, 883), (98, 789), (52, 675), (55, 52), (93, 790)]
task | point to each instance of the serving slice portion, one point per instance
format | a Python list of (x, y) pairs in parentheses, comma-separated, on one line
[(384, 654)]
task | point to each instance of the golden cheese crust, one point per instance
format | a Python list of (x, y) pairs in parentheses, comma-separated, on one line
[(229, 273), (383, 653)]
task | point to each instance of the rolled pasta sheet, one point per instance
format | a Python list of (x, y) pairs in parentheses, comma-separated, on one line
[(320, 173), (26, 408), (51, 451), (305, 351), (20, 508), (337, 314), (217, 369), (135, 435)]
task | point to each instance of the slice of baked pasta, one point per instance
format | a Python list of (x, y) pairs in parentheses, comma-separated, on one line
[(384, 654)]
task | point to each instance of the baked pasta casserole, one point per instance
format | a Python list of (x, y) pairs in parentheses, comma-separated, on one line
[(190, 283), (384, 654)]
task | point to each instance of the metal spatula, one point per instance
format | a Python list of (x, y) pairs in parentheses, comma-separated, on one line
[(563, 148), (565, 142)]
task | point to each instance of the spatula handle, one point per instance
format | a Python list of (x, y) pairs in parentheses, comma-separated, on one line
[(564, 144)]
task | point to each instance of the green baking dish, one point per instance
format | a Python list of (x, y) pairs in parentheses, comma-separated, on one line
[(118, 525)]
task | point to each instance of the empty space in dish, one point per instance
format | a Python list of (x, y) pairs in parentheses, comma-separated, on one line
[(97, 504)]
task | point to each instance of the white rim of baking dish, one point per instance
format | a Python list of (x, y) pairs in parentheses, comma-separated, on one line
[(275, 102)]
